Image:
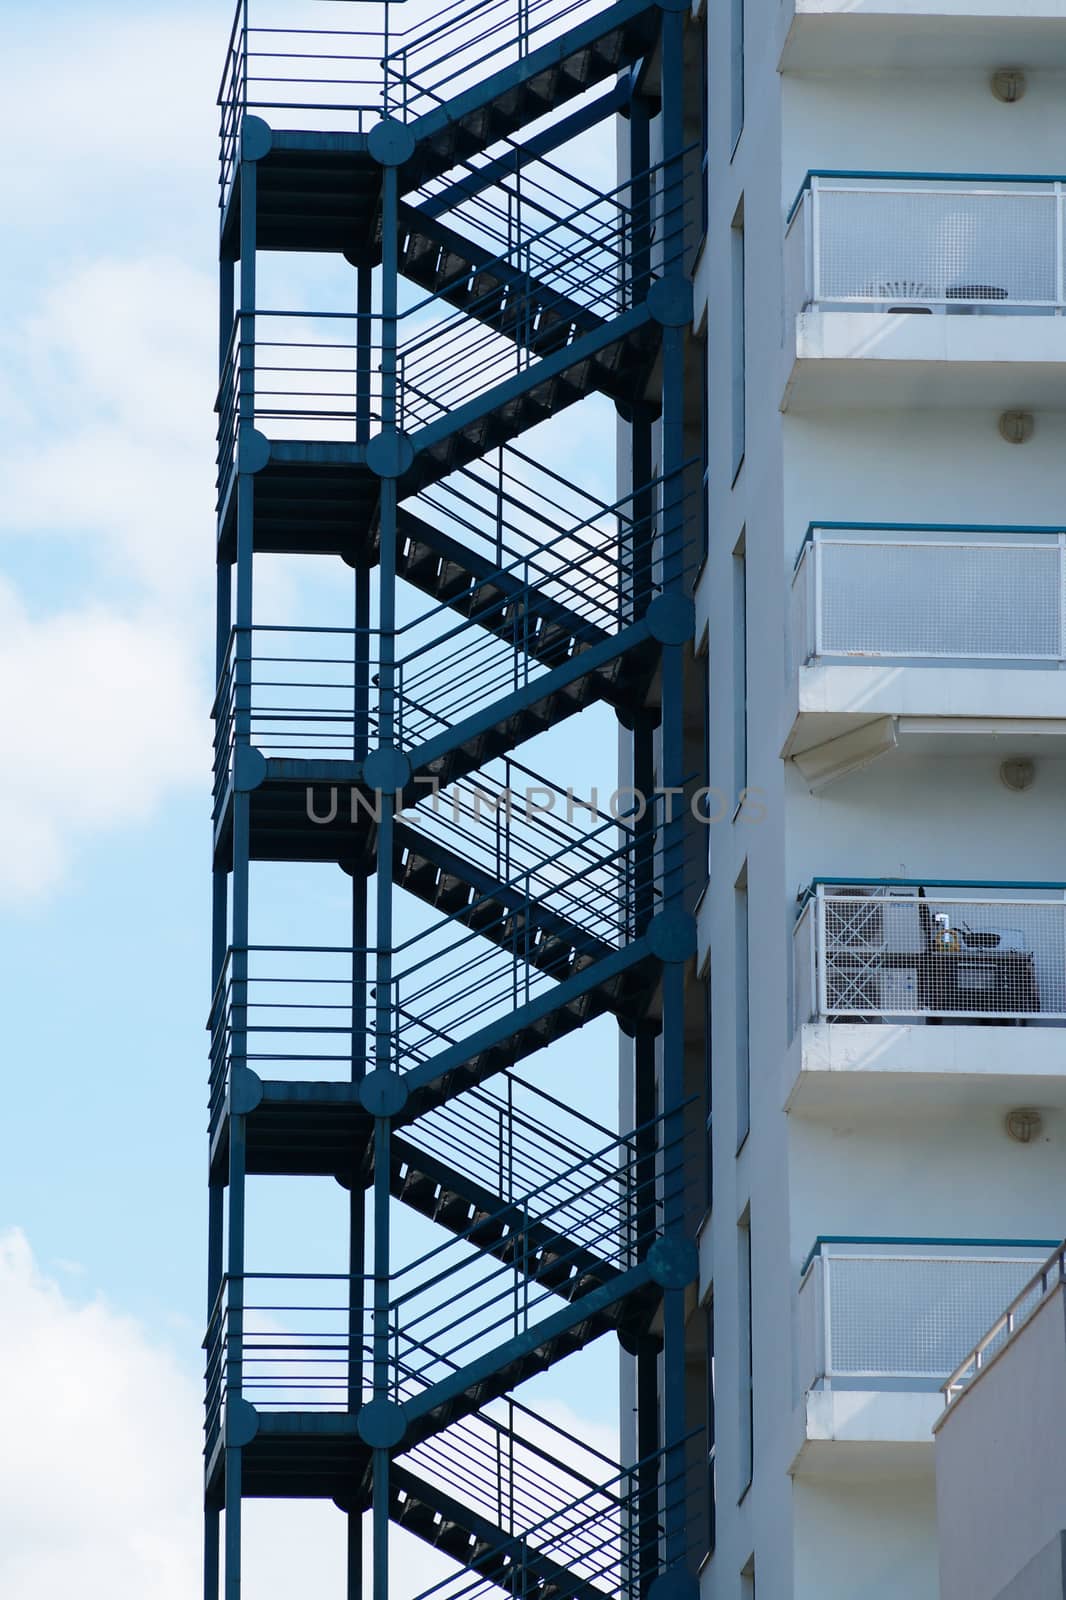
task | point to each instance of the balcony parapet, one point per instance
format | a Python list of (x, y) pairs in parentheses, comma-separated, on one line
[(938, 593), (957, 952), (932, 243), (902, 633), (880, 1324), (887, 272)]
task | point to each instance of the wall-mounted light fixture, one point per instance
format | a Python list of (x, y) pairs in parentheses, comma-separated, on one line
[(1023, 1124), (1017, 773), (1017, 427), (1008, 84)]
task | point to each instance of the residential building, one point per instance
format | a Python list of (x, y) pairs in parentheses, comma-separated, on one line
[(882, 297), (744, 460)]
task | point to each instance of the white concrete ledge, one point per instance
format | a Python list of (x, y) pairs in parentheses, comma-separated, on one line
[(864, 1416), (965, 710), (884, 358), (875, 1065), (877, 690), (819, 35), (853, 1435)]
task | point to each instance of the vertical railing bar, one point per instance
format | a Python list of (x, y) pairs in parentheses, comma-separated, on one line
[(821, 991), (827, 1325), (1062, 598)]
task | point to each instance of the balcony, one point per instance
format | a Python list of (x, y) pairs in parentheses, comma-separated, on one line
[(950, 35), (881, 1325), (926, 291), (905, 636), (928, 992)]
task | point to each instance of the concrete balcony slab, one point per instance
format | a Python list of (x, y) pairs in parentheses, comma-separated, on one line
[(823, 35), (842, 715), (880, 359), (880, 1066), (849, 1434)]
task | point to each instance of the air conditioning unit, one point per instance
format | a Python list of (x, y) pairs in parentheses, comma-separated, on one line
[(886, 920), (902, 294), (870, 934), (899, 989)]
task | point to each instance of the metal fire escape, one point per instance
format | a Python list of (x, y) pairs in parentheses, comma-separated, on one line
[(493, 286)]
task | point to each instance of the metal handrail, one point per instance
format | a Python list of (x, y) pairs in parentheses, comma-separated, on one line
[(474, 976), (1007, 1326), (511, 1295), (613, 1178)]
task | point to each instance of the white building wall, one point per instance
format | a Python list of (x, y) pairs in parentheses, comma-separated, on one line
[(951, 1173), (947, 1170), (894, 466), (1001, 1468), (918, 122), (879, 1544), (938, 817)]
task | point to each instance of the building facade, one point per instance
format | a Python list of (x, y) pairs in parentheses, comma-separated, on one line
[(881, 610)]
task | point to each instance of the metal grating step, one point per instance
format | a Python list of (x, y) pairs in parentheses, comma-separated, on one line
[(536, 313), (512, 1563), (447, 1196)]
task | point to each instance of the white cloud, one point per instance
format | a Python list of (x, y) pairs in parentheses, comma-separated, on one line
[(102, 715), (109, 454), (121, 102), (112, 442), (101, 1466), (106, 454), (99, 1471)]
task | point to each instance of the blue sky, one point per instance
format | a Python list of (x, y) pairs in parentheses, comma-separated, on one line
[(106, 346), (105, 596), (107, 351)]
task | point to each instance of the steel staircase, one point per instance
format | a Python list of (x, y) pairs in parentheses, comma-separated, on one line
[(494, 911)]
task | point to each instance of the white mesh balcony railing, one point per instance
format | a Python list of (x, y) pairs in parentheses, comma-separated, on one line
[(886, 242), (973, 594), (904, 952), (901, 1313)]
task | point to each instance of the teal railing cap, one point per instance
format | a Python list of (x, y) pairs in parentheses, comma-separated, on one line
[(1046, 1245), (920, 177)]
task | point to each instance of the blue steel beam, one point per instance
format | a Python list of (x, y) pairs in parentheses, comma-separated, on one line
[(498, 1035), (464, 1385)]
